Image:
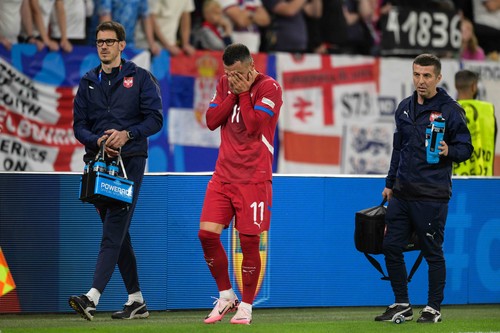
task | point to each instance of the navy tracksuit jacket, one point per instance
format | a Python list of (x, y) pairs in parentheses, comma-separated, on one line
[(421, 191), (128, 99)]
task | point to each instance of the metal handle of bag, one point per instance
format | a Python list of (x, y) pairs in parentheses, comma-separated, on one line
[(120, 162), (101, 151), (119, 159)]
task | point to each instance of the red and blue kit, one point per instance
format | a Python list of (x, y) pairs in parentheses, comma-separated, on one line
[(247, 126)]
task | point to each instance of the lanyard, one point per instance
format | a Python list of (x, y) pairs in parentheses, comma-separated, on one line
[(100, 73)]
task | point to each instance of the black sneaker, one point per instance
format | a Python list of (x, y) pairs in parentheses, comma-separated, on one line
[(83, 305), (429, 315), (394, 311), (132, 311)]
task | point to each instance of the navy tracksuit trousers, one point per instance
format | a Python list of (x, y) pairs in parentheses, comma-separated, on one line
[(116, 245), (428, 219)]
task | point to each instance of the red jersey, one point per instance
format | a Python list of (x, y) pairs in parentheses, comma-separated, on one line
[(247, 125)]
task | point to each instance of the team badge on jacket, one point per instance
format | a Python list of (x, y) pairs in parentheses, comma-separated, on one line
[(128, 82), (434, 115)]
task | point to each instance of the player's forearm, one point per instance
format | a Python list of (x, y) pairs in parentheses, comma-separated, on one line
[(217, 113), (253, 119)]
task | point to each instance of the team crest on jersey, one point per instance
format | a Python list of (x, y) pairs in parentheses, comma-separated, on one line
[(434, 115), (128, 82)]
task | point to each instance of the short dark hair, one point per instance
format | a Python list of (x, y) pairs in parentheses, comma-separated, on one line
[(112, 26), (465, 78), (234, 53), (427, 59)]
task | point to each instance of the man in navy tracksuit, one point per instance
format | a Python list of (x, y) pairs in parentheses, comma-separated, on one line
[(419, 191), (118, 104)]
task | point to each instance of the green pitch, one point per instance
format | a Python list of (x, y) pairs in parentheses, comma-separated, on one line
[(456, 319)]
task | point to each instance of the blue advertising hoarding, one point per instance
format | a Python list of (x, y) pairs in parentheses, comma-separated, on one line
[(50, 240)]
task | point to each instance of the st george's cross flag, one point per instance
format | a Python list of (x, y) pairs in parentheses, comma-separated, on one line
[(324, 96)]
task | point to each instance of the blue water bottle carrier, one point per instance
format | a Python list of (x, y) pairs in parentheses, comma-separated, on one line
[(101, 183)]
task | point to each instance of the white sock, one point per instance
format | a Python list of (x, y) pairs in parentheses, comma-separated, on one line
[(403, 304), (227, 294), (135, 297), (245, 306), (94, 295)]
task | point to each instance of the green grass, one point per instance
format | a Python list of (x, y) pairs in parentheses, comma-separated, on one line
[(456, 319)]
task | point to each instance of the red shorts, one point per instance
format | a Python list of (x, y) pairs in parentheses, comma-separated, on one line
[(250, 204)]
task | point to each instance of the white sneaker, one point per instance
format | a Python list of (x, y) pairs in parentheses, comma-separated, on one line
[(242, 316), (222, 306)]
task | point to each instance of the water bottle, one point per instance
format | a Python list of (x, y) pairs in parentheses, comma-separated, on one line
[(434, 134), (100, 165), (113, 169)]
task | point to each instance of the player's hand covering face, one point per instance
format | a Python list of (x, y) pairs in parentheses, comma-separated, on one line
[(241, 76)]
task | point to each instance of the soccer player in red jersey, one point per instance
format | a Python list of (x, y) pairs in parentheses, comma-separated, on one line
[(246, 107)]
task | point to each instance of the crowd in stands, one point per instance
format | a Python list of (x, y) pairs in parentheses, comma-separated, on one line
[(298, 26)]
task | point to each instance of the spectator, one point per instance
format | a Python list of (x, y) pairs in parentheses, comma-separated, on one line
[(215, 32), (32, 16), (197, 14), (171, 18), (10, 22), (482, 125), (362, 37), (89, 13), (486, 16), (288, 32), (314, 36), (247, 17), (76, 15), (470, 49), (128, 14), (328, 33), (381, 9), (57, 8), (27, 34)]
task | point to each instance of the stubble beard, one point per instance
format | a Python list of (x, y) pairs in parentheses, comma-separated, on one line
[(106, 61)]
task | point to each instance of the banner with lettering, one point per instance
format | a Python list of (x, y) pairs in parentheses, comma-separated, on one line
[(328, 102), (337, 115), (36, 121), (36, 106), (411, 31), (339, 111)]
